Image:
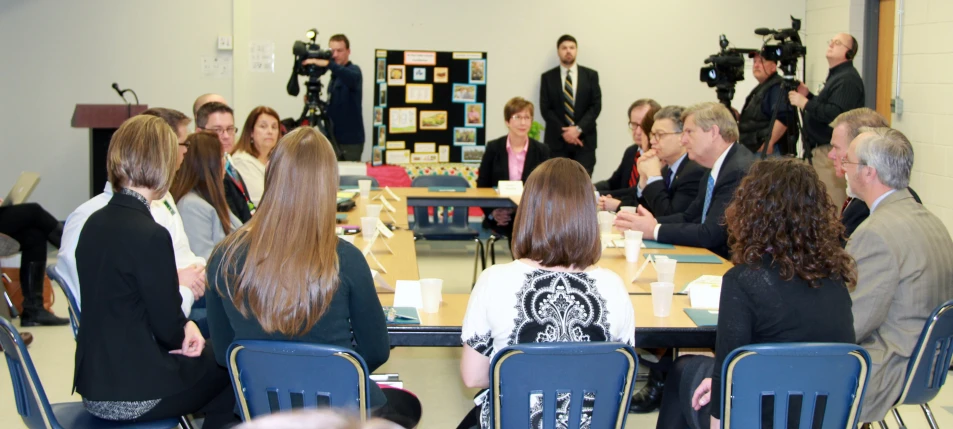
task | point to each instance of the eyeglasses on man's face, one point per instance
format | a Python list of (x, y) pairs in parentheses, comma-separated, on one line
[(658, 135), (220, 131)]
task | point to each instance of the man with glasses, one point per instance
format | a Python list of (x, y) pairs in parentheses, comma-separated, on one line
[(904, 260), (843, 91), (219, 118), (754, 124), (627, 176)]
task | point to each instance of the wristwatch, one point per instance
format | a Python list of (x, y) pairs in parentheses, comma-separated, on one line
[(578, 128)]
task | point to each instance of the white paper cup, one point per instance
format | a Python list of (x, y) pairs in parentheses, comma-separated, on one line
[(633, 235), (364, 186), (627, 209), (633, 247), (665, 268), (605, 222), (662, 293), (368, 227), (373, 210), (347, 238), (430, 294)]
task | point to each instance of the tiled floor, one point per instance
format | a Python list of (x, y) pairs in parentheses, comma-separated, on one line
[(431, 373)]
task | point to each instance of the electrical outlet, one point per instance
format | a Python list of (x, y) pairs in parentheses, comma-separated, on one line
[(896, 106), (225, 43)]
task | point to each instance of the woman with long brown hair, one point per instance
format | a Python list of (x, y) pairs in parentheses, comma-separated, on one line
[(791, 283), (259, 136), (200, 195), (285, 275)]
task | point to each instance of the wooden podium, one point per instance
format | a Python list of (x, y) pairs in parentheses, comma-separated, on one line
[(102, 121)]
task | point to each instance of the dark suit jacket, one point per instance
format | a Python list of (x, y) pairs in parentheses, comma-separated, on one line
[(620, 178), (857, 212), (236, 200), (687, 229), (495, 164), (588, 104), (681, 194), (344, 106), (132, 313)]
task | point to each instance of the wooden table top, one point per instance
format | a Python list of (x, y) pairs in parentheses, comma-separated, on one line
[(614, 259)]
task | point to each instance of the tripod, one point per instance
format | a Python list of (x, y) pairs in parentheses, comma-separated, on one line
[(789, 83), (725, 93), (314, 114)]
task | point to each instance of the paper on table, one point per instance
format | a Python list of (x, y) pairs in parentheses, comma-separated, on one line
[(383, 229), (509, 188), (379, 280), (391, 193), (706, 280), (407, 294), (386, 203), (704, 296)]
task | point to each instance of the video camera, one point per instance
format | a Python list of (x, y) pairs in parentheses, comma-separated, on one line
[(786, 48), (314, 112), (306, 50), (727, 68)]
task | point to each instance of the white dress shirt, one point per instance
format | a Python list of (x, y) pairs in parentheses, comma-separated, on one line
[(253, 173), (879, 199), (163, 211), (715, 169)]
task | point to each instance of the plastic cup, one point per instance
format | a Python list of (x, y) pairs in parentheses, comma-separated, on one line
[(364, 186), (665, 268), (605, 223), (368, 227), (347, 238), (633, 247), (430, 294), (662, 293), (373, 210), (627, 209), (633, 235)]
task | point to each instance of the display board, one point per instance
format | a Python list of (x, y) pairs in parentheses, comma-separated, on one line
[(429, 107)]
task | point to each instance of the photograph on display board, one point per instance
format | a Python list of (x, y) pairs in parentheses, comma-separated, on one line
[(464, 136), (396, 75), (420, 74), (478, 71), (464, 93), (382, 96), (433, 120), (381, 69), (474, 115), (377, 156), (398, 156), (443, 154), (378, 115), (419, 93), (441, 75), (381, 135), (402, 120), (472, 153), (423, 158)]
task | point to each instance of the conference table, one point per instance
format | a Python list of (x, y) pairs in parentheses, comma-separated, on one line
[(443, 328)]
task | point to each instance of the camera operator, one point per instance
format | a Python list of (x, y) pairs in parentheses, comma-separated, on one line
[(344, 97), (843, 91), (756, 113)]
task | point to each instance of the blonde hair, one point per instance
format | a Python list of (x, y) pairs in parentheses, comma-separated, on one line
[(142, 153), (291, 267), (708, 114)]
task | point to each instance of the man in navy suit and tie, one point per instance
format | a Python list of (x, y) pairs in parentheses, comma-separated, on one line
[(570, 100)]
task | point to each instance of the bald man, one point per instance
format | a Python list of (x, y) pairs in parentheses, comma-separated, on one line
[(206, 98), (843, 91)]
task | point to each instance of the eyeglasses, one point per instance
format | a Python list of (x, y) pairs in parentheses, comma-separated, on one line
[(836, 42), (230, 130), (633, 125), (521, 118), (185, 143), (659, 136), (845, 161)]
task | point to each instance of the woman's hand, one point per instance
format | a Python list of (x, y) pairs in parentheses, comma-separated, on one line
[(502, 216), (702, 394), (194, 342)]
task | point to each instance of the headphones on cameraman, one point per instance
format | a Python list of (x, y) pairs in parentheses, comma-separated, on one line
[(853, 49)]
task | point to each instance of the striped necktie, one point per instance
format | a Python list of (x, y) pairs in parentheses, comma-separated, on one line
[(708, 192), (568, 100), (634, 177)]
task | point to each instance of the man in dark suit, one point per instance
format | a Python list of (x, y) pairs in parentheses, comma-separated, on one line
[(570, 100), (220, 119), (627, 176), (709, 135)]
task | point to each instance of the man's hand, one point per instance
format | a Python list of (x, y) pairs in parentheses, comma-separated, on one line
[(193, 277), (641, 220), (571, 135), (802, 89), (797, 99), (607, 203), (502, 216), (315, 61), (193, 343), (650, 165), (702, 395)]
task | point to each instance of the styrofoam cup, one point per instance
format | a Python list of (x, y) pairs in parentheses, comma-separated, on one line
[(364, 186), (373, 210), (633, 247), (662, 293), (430, 294), (665, 268), (368, 227), (627, 209)]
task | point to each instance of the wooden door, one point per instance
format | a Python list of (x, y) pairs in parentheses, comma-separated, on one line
[(885, 52)]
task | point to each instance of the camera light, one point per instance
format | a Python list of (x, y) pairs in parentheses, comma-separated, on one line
[(312, 34)]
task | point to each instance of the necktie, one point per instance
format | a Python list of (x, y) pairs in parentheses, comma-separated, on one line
[(846, 203), (568, 101), (634, 177), (667, 177), (708, 191)]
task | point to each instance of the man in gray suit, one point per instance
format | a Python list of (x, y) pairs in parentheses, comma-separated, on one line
[(904, 261)]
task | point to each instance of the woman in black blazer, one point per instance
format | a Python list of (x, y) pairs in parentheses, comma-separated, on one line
[(497, 163), (137, 357)]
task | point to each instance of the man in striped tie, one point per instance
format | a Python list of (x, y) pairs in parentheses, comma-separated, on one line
[(570, 100)]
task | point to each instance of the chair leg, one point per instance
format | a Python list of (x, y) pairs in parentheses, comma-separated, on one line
[(478, 257), (491, 249), (896, 415), (929, 413), (883, 424)]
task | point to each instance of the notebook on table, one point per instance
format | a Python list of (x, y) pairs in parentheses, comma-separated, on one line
[(703, 316)]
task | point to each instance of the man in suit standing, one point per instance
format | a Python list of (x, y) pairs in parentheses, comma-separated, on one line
[(904, 260), (570, 99), (627, 176), (709, 135)]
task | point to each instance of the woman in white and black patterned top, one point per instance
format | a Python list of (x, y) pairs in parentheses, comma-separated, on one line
[(552, 291)]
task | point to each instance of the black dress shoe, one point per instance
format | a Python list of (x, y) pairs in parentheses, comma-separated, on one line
[(650, 397), (42, 318)]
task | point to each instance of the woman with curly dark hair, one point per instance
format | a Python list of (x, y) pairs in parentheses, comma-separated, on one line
[(790, 283)]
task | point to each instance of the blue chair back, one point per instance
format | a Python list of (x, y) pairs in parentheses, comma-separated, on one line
[(274, 376), (533, 382), (351, 181), (794, 385), (445, 220), (930, 361), (74, 311), (32, 404)]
